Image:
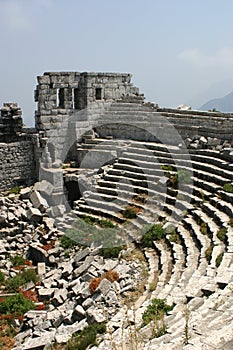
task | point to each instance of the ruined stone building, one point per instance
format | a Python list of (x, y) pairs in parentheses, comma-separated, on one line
[(71, 103)]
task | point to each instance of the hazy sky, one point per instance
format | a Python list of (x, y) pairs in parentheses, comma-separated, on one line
[(179, 51)]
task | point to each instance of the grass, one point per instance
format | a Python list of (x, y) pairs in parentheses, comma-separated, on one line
[(85, 338), (174, 237), (111, 252), (84, 234), (167, 167), (204, 228), (106, 223), (67, 243)]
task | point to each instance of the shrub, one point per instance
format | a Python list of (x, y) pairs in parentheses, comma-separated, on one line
[(208, 253), (130, 212), (2, 277), (66, 242), (222, 234), (17, 260), (86, 337), (106, 223), (94, 284), (230, 222), (204, 228), (228, 188), (14, 190), (219, 259), (109, 275), (174, 237), (16, 304), (156, 311), (111, 252), (13, 284), (155, 233), (112, 276), (160, 331), (167, 167)]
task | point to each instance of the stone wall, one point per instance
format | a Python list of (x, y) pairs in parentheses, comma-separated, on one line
[(17, 161), (17, 165)]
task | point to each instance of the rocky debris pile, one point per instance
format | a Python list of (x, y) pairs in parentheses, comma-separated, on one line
[(77, 285), (71, 303), (201, 142)]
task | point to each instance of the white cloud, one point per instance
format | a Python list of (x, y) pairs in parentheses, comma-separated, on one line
[(19, 14), (220, 58)]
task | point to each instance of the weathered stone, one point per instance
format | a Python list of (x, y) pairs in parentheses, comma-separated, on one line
[(34, 214), (78, 313), (45, 293), (38, 201), (39, 342), (37, 254), (104, 286), (64, 333), (59, 297), (84, 266), (95, 315), (81, 255), (41, 268)]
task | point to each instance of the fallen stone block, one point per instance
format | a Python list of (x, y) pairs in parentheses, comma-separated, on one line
[(104, 287), (37, 254), (95, 315), (41, 268), (38, 343), (81, 255), (79, 313), (38, 201), (34, 214), (87, 263), (59, 297), (25, 193), (64, 333), (45, 293)]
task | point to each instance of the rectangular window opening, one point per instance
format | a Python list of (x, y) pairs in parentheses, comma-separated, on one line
[(76, 98), (61, 98), (98, 93)]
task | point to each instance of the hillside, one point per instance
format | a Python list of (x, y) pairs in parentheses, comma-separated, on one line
[(223, 104)]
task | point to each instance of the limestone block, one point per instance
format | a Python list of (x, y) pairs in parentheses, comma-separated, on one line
[(95, 315), (79, 313), (38, 201), (34, 214), (41, 268), (104, 286)]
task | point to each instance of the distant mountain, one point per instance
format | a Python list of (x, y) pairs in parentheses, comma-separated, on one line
[(223, 104)]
